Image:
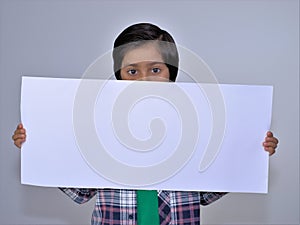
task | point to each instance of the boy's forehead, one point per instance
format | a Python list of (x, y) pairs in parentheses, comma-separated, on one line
[(148, 52)]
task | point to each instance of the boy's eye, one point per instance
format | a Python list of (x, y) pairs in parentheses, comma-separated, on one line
[(155, 70), (132, 72)]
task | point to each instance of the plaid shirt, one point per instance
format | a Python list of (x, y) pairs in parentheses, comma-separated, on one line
[(118, 207)]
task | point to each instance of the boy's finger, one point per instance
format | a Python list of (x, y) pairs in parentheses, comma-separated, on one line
[(270, 150), (18, 143), (18, 136), (274, 140), (20, 131), (270, 144)]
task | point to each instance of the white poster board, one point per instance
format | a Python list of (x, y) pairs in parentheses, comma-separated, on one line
[(145, 135)]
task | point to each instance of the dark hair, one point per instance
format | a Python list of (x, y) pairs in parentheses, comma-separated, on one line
[(139, 34)]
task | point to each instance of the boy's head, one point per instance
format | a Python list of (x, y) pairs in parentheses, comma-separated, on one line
[(144, 47)]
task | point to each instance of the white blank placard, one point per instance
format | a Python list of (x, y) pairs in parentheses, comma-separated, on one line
[(145, 135)]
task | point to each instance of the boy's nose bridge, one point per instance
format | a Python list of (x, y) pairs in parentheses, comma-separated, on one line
[(145, 73)]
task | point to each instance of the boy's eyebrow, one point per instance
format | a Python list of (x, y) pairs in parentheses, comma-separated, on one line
[(151, 63)]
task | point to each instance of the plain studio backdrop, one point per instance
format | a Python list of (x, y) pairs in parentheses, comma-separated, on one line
[(243, 42)]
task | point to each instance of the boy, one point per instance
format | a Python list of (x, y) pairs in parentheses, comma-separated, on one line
[(144, 52)]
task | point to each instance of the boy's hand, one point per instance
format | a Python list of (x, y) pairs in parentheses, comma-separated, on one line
[(19, 136), (270, 143)]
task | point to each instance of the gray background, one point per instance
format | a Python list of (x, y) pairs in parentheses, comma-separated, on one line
[(244, 42)]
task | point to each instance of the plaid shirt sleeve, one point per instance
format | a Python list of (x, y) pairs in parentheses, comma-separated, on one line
[(79, 195), (207, 198)]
